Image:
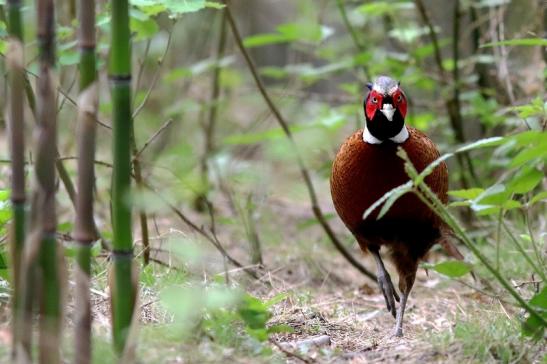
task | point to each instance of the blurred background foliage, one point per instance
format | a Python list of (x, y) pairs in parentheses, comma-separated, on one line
[(209, 146)]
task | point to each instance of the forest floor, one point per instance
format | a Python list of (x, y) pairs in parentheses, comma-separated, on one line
[(336, 314), (344, 319)]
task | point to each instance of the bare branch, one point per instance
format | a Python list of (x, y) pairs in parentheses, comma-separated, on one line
[(303, 170)]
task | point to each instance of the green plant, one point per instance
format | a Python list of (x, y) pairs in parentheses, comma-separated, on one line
[(85, 232), (122, 284), (486, 202), (16, 120)]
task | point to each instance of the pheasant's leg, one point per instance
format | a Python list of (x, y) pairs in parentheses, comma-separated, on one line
[(384, 281), (400, 313), (405, 285)]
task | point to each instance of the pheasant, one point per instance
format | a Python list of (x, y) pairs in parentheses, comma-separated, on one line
[(365, 168)]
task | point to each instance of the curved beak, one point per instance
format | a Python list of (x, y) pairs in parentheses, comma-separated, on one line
[(388, 111)]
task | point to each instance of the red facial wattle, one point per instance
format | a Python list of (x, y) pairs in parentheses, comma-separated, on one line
[(374, 100), (374, 103), (399, 102)]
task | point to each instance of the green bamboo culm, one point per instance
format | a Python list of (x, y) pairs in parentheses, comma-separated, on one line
[(85, 231), (15, 119), (44, 221), (122, 287)]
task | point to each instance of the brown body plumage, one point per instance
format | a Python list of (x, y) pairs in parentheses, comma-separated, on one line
[(361, 174)]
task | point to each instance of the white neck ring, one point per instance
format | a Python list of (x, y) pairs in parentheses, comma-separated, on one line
[(400, 138)]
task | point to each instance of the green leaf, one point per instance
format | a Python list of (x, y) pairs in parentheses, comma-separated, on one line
[(69, 58), (408, 34), (392, 199), (537, 107), (459, 204), (405, 187), (4, 195), (451, 268), (525, 180), (264, 39), (518, 42), (529, 154), (533, 326), (431, 167), (542, 196), (494, 195), (280, 297), (174, 7), (184, 6), (142, 25), (482, 143), (493, 199), (290, 32), (3, 260), (149, 7), (306, 32), (254, 312), (214, 5), (468, 194), (378, 8)]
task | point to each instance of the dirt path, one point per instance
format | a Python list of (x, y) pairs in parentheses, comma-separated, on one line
[(359, 326)]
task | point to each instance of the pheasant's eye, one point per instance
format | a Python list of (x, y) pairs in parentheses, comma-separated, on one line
[(399, 98), (374, 100)]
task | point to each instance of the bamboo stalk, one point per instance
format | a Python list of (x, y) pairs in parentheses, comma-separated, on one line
[(44, 202), (85, 231), (122, 289), (15, 119)]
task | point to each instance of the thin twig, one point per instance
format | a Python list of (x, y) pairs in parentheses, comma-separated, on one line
[(360, 47), (539, 256), (61, 170), (141, 67), (97, 162), (156, 74), (303, 170), (151, 139), (452, 104), (457, 84), (136, 162), (291, 354), (209, 127), (212, 239)]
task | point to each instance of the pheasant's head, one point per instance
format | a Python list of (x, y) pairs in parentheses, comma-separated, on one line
[(385, 112)]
